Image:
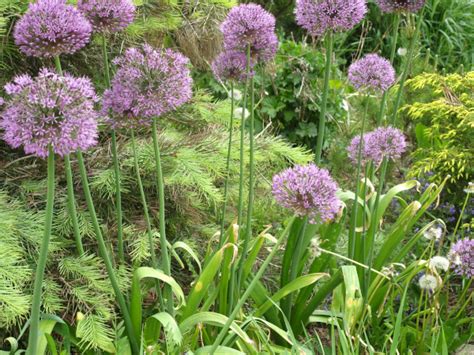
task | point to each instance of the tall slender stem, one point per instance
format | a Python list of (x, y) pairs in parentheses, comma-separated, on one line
[(227, 173), (71, 200), (144, 202), (324, 100), (458, 223), (234, 278), (105, 255), (352, 230), (43, 256), (406, 69), (165, 259), (249, 289), (248, 226), (118, 192), (71, 205), (393, 50)]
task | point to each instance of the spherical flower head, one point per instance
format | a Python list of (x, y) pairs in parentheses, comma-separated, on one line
[(383, 142), (232, 65), (108, 15), (50, 28), (148, 83), (461, 256), (320, 16), (389, 6), (428, 282), (372, 73), (50, 109), (439, 263), (250, 25), (309, 191), (433, 233)]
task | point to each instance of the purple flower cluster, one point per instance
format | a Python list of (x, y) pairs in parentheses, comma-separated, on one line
[(372, 73), (50, 28), (232, 65), (389, 6), (383, 142), (308, 191), (320, 16), (148, 83), (250, 25), (106, 15), (461, 256), (50, 109)]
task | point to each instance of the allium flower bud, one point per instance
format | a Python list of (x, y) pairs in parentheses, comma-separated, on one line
[(384, 142), (389, 6), (250, 25), (50, 109), (320, 16), (148, 83), (372, 73), (108, 15), (50, 28), (232, 65), (308, 191), (461, 256)]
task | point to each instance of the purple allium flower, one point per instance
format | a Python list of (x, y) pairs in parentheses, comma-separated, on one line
[(372, 73), (461, 256), (319, 16), (50, 28), (232, 65), (250, 25), (383, 142), (148, 83), (108, 15), (308, 191), (50, 109), (389, 6)]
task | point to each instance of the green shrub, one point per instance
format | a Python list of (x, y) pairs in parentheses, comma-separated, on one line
[(443, 115)]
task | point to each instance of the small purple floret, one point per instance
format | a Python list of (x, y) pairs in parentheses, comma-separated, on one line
[(50, 109), (148, 83), (50, 28), (108, 15), (389, 6), (309, 191), (250, 25), (383, 142), (232, 65), (320, 16), (372, 72), (461, 256)]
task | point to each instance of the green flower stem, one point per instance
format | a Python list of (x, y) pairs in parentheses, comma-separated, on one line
[(71, 205), (105, 256), (295, 262), (458, 223), (353, 223), (406, 69), (393, 50), (324, 100), (165, 259), (71, 200), (227, 174), (118, 193), (43, 256), (234, 278), (374, 223), (144, 202), (249, 289), (248, 226)]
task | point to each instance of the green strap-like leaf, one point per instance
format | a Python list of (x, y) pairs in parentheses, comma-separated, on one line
[(172, 331), (293, 286), (215, 319)]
